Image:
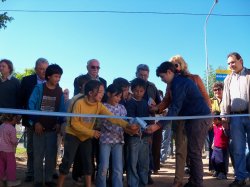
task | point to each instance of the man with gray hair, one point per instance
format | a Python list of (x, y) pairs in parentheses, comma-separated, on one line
[(27, 85), (93, 67)]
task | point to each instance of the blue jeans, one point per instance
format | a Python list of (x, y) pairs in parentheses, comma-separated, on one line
[(166, 140), (117, 164), (240, 135), (138, 161), (44, 146)]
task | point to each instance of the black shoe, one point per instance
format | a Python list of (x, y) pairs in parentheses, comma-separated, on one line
[(38, 184), (50, 184), (237, 183), (150, 180), (29, 179), (188, 185), (55, 176)]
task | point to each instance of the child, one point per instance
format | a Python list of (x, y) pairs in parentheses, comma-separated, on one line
[(111, 141), (80, 130), (138, 146), (220, 149), (46, 97), (8, 143)]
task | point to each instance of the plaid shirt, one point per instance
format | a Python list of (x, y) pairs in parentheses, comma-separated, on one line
[(111, 133)]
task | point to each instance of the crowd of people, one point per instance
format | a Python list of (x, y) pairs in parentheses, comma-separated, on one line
[(101, 150)]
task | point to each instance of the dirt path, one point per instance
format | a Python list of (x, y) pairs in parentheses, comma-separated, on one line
[(163, 179)]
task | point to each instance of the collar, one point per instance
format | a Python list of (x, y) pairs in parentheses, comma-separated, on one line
[(97, 78), (242, 72), (8, 78), (40, 80)]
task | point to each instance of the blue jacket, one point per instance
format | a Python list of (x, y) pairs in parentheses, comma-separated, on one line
[(186, 98), (35, 103)]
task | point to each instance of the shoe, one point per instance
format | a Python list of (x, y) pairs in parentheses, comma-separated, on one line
[(50, 184), (2, 183), (13, 183), (55, 176), (187, 170), (237, 183), (215, 174), (150, 180), (221, 176), (38, 184), (29, 179), (177, 184), (155, 172), (188, 185)]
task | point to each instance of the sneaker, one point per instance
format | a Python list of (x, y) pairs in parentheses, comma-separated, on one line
[(237, 183), (13, 183), (221, 176), (215, 174)]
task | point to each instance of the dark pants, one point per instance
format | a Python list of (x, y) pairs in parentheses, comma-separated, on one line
[(220, 160), (156, 149), (196, 130), (29, 136)]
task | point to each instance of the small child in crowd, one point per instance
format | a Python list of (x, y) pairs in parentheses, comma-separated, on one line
[(220, 153), (111, 141), (8, 143)]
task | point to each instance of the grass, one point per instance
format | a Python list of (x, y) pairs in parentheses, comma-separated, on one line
[(20, 151)]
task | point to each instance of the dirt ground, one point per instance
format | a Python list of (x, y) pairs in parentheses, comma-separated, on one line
[(163, 179)]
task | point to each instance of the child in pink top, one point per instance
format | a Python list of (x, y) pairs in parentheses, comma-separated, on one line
[(220, 149), (8, 143)]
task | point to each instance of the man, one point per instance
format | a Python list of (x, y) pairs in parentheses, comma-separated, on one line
[(27, 85), (236, 101), (9, 86), (187, 101), (93, 67), (151, 95)]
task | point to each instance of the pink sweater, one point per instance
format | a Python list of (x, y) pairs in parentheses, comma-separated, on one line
[(8, 139)]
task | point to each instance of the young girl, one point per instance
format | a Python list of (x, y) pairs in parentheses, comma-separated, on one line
[(111, 141), (220, 149), (80, 130), (8, 143)]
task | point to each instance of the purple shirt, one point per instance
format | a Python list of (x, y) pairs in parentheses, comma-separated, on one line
[(8, 139), (112, 133)]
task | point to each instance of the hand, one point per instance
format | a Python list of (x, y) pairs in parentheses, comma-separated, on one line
[(38, 128), (97, 134), (153, 108), (152, 128), (132, 129)]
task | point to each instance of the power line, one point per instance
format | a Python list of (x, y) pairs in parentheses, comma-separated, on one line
[(123, 12)]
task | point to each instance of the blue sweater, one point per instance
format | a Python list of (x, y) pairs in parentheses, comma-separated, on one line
[(186, 98)]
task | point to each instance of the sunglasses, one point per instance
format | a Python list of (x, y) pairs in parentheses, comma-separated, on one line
[(217, 89), (95, 67), (176, 65)]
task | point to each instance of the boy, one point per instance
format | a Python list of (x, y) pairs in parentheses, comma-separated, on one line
[(46, 97), (138, 145)]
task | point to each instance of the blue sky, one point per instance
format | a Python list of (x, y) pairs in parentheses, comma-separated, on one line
[(122, 41)]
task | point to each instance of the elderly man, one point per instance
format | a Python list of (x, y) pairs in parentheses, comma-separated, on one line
[(93, 67), (236, 101), (27, 85)]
